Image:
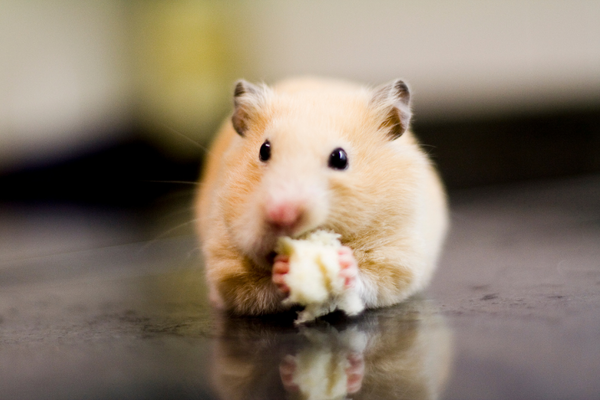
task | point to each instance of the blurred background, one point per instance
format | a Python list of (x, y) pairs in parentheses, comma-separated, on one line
[(106, 107), (102, 101)]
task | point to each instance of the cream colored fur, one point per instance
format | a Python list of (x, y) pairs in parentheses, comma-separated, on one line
[(388, 206)]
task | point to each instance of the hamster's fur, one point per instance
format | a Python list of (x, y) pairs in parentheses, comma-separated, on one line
[(387, 204)]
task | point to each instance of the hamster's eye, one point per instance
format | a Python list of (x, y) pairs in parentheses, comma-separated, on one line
[(338, 159), (265, 151)]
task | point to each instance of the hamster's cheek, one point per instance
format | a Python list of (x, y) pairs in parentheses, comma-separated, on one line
[(248, 231)]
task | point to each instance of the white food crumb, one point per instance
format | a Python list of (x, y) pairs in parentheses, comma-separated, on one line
[(321, 375), (314, 277), (321, 366)]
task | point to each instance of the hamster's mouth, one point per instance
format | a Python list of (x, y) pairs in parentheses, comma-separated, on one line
[(270, 256)]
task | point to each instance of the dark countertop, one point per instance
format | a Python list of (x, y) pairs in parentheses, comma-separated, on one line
[(90, 308)]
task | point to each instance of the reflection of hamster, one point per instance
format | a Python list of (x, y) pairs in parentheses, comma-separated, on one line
[(329, 367), (317, 154), (401, 352)]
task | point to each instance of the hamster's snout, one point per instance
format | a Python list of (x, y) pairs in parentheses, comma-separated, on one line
[(284, 216)]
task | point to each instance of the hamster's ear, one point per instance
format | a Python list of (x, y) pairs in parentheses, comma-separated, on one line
[(246, 99), (392, 102)]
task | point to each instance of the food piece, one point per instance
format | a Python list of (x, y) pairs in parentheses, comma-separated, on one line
[(314, 277), (321, 368)]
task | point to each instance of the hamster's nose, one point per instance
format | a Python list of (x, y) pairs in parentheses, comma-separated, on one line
[(284, 216)]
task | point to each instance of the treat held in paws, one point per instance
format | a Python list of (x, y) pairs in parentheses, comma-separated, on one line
[(320, 275), (315, 155)]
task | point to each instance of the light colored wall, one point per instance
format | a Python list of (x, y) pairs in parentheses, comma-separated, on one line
[(73, 71), (464, 57), (64, 80)]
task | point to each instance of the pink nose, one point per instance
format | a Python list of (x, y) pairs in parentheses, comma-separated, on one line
[(284, 215)]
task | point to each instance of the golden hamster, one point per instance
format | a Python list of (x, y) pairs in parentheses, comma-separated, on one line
[(308, 154)]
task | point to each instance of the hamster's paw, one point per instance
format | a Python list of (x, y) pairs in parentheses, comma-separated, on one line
[(348, 266), (287, 368), (281, 266), (355, 372), (215, 299)]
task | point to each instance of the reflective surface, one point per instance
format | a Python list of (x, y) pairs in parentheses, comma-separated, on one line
[(90, 308), (396, 353)]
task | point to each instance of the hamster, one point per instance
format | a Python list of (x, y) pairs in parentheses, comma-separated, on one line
[(309, 154)]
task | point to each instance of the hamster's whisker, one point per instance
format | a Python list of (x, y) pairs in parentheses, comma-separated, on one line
[(199, 145), (173, 182), (165, 233), (428, 149), (175, 213)]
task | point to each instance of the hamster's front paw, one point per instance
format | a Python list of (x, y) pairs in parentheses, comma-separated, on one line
[(355, 372), (287, 369), (215, 299), (348, 266), (281, 266)]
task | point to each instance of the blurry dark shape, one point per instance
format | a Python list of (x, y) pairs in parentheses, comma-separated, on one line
[(551, 144), (137, 172), (130, 173)]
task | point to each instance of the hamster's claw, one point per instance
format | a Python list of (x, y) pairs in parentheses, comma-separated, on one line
[(348, 266), (281, 266)]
